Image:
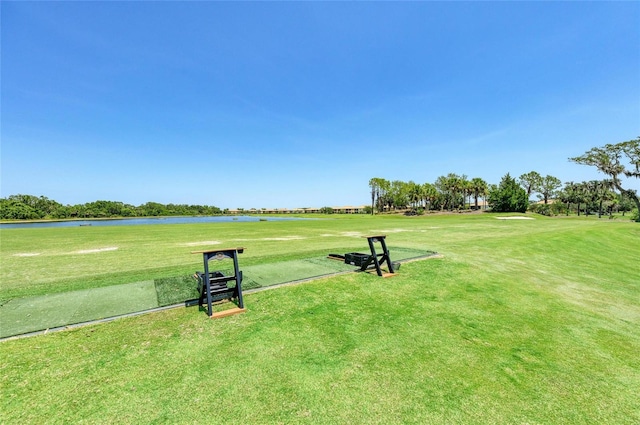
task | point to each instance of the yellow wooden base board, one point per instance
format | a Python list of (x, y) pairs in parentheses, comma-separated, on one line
[(384, 274), (229, 312)]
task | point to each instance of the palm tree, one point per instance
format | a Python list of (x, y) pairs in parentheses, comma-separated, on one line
[(384, 199), (414, 193), (604, 192), (442, 186), (449, 187), (378, 187), (580, 195), (456, 186), (590, 189), (429, 194), (453, 184), (478, 189), (375, 192), (465, 189), (567, 195)]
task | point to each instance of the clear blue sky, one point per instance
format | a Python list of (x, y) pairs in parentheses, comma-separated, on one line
[(299, 104)]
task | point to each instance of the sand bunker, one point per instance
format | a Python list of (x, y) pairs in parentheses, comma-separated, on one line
[(515, 218), (91, 251)]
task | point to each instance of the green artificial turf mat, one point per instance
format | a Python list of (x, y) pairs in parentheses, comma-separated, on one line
[(401, 254), (32, 314), (290, 271), (172, 290)]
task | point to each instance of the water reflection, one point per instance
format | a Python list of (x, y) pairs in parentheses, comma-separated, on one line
[(145, 220)]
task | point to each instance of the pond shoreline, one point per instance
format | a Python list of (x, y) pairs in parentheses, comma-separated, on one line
[(132, 221)]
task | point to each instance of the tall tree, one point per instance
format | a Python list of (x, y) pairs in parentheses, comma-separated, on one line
[(565, 195), (616, 160), (478, 189), (573, 193), (465, 189), (590, 195), (379, 188), (429, 194), (449, 187), (399, 195), (548, 187), (414, 193), (531, 182), (442, 186), (603, 191), (455, 185), (384, 200), (375, 191), (582, 196), (508, 196)]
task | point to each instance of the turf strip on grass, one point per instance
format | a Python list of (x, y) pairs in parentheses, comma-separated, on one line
[(24, 315), (37, 313)]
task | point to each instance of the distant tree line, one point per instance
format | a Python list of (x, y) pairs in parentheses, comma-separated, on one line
[(455, 192), (588, 198), (30, 207), (450, 192)]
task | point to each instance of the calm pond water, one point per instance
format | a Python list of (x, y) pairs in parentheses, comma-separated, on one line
[(145, 220)]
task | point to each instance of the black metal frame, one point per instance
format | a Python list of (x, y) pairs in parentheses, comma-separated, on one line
[(212, 285), (378, 259), (364, 261)]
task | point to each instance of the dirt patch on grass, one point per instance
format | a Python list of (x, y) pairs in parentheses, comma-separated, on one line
[(387, 231), (343, 234), (284, 238), (92, 251), (201, 243)]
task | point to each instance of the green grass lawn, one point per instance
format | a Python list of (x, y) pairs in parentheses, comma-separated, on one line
[(520, 321)]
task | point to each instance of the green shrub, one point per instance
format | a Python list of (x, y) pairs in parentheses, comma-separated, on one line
[(509, 196), (549, 210)]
